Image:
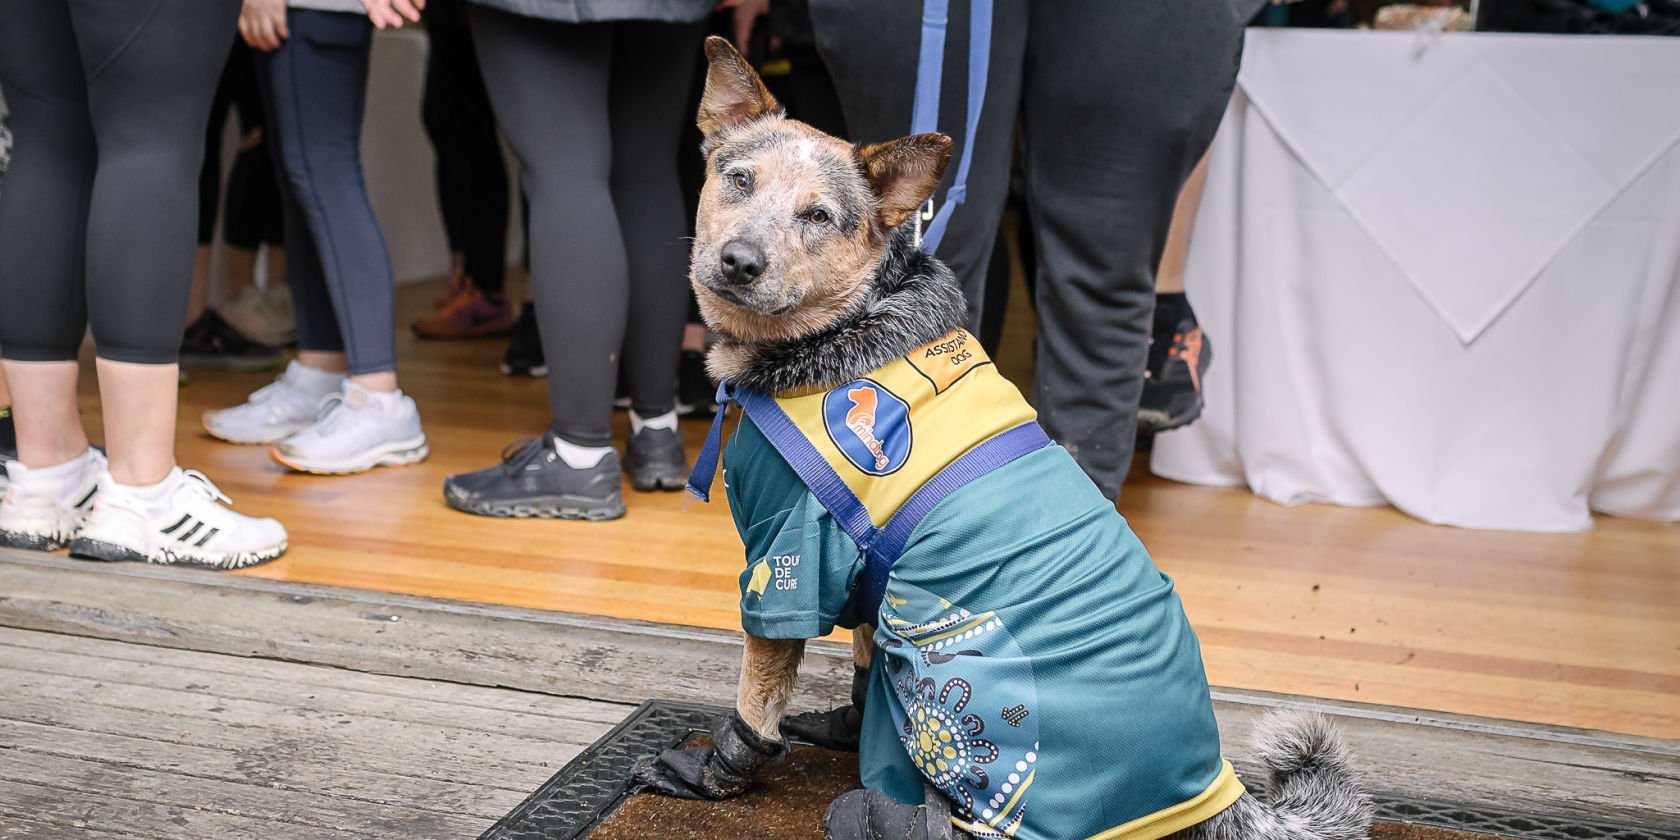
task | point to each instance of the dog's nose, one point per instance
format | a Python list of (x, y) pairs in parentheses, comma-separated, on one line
[(742, 262)]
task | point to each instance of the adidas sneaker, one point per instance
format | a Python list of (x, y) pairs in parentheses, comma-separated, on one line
[(355, 431), (182, 521), (45, 508)]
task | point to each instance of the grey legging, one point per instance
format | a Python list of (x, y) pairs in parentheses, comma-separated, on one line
[(1117, 99), (109, 101), (594, 112), (337, 264)]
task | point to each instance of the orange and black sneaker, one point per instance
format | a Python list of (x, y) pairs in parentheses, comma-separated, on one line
[(465, 311), (1179, 355)]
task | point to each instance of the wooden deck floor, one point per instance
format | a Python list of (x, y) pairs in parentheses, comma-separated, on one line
[(110, 739), (1364, 605)]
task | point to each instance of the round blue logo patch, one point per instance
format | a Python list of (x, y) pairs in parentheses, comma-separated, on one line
[(870, 425)]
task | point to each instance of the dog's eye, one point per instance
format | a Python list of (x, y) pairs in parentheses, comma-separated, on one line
[(818, 216), (741, 181)]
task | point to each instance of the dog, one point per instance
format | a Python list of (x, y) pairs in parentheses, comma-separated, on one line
[(1021, 668)]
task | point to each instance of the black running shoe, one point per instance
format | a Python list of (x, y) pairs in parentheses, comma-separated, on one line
[(655, 460), (1179, 354), (524, 356), (213, 343), (532, 481), (696, 392)]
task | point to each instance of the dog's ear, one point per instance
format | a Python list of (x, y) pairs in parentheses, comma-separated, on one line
[(904, 172), (734, 93)]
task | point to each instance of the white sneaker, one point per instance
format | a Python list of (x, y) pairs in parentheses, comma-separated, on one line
[(263, 315), (282, 408), (182, 521), (357, 431), (45, 508)]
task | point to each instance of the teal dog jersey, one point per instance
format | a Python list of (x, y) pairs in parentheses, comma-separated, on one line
[(1032, 664)]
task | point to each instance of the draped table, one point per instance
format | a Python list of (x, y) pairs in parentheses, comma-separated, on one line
[(1443, 273)]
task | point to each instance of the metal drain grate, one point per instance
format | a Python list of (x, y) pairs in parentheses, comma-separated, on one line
[(588, 789)]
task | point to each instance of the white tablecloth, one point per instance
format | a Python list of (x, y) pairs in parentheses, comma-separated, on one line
[(1444, 274)]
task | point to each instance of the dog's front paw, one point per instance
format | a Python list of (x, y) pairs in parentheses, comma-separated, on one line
[(718, 770), (688, 774)]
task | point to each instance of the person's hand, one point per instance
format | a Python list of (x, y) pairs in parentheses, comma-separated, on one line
[(747, 13), (393, 13), (262, 23)]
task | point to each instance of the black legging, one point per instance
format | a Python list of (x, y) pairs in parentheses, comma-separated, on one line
[(1117, 101), (472, 181), (104, 238), (252, 209), (594, 112)]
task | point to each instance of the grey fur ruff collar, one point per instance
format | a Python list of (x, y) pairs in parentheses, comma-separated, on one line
[(912, 300)]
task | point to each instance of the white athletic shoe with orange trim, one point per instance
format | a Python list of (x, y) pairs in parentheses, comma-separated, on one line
[(355, 431)]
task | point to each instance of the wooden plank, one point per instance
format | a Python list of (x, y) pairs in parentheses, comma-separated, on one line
[(1559, 771), (104, 738), (50, 812), (533, 650)]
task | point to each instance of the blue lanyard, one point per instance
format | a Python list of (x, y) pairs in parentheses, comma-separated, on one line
[(930, 71)]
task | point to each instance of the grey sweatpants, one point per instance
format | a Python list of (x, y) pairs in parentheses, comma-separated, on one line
[(1117, 99)]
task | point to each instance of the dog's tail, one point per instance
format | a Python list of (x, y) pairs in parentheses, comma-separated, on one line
[(1313, 791)]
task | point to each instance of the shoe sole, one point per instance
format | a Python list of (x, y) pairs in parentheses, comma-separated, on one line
[(106, 552), (247, 441), (655, 483), (31, 542), (545, 507), (538, 372), (402, 454)]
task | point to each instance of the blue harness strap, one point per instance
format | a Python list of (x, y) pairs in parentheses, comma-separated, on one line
[(883, 545), (930, 71), (995, 452)]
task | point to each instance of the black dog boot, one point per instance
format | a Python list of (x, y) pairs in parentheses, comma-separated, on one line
[(716, 771), (836, 729), (872, 815)]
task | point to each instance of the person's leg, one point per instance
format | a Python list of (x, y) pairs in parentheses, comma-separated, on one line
[(1121, 100), (548, 83), (318, 81), (209, 192), (651, 71), (871, 48), (149, 99), (151, 72), (472, 180), (43, 210)]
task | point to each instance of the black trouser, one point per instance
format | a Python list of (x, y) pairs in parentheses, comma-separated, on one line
[(1118, 100), (252, 210), (594, 112), (104, 237), (337, 264), (472, 182)]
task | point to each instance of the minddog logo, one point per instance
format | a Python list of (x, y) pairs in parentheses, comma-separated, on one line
[(870, 425)]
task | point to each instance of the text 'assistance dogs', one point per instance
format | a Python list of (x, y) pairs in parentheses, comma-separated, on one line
[(1023, 669)]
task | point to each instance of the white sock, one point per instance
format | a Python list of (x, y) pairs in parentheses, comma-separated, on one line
[(579, 457), (61, 480), (383, 399), (315, 381), (154, 497), (668, 420)]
